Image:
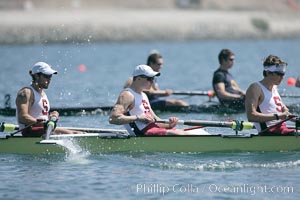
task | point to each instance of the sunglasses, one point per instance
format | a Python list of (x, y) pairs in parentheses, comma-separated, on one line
[(47, 76), (148, 78), (279, 74)]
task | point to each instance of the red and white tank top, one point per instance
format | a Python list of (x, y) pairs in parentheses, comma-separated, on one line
[(40, 107), (141, 105), (271, 104)]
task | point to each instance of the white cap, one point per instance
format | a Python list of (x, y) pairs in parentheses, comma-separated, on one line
[(145, 70), (42, 67)]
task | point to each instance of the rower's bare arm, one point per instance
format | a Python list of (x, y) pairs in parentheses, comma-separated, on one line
[(23, 103), (252, 101), (237, 88), (117, 115), (128, 83), (223, 94)]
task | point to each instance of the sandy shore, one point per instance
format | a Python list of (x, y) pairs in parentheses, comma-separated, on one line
[(46, 26)]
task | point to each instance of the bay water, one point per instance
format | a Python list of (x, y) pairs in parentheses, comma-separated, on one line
[(188, 65)]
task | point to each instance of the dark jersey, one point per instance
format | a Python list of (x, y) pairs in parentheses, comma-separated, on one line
[(223, 76), (156, 102)]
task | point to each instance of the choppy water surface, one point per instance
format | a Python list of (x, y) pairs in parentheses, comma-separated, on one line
[(188, 66)]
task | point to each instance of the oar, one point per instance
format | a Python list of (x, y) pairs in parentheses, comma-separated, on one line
[(236, 125), (50, 126), (4, 127), (211, 93), (290, 95), (208, 93)]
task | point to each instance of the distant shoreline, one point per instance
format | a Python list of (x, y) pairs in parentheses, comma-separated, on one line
[(87, 26)]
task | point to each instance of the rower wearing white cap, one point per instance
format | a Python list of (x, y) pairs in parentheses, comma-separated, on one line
[(33, 107), (264, 106), (134, 110)]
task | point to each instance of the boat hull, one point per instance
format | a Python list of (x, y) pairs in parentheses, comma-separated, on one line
[(179, 144)]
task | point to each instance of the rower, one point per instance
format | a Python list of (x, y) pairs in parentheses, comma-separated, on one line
[(264, 105), (134, 111), (33, 107), (226, 89)]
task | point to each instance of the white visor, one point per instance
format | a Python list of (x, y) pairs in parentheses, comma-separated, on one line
[(276, 68)]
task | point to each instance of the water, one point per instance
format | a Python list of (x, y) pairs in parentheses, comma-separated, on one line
[(135, 176), (188, 66)]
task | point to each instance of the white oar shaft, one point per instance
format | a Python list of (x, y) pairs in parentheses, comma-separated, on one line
[(234, 124)]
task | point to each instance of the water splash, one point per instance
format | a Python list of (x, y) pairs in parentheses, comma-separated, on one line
[(74, 152)]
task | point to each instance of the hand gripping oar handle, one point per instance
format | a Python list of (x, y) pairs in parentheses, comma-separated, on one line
[(236, 125), (278, 124)]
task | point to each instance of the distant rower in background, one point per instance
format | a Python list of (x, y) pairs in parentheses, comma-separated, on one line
[(33, 106), (226, 89), (298, 82), (155, 61), (264, 106)]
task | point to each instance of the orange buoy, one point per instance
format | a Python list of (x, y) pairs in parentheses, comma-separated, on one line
[(82, 68), (291, 81)]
